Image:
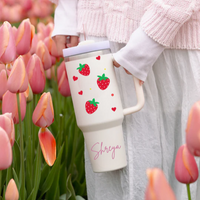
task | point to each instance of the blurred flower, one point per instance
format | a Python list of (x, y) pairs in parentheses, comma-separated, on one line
[(7, 45), (11, 191), (28, 94), (51, 45), (63, 83), (193, 130), (2, 66), (25, 33), (9, 104), (43, 115), (6, 122), (5, 150), (186, 170), (44, 55), (36, 74), (3, 83), (36, 38), (158, 188), (18, 79), (26, 58), (48, 145), (50, 73)]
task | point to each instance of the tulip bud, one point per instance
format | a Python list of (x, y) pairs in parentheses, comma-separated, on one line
[(48, 145), (51, 45), (25, 33), (3, 83), (7, 44), (43, 115), (63, 85), (6, 122), (193, 130), (28, 94), (36, 74), (5, 150), (18, 79), (186, 170), (44, 55), (11, 191), (158, 188), (10, 105)]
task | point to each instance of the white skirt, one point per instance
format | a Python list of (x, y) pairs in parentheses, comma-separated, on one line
[(154, 134)]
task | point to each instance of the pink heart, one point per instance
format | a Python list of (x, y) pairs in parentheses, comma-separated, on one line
[(114, 109), (98, 57), (81, 92), (75, 78)]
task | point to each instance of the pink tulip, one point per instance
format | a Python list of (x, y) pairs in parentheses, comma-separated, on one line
[(51, 45), (28, 94), (44, 55), (6, 122), (7, 44), (3, 83), (43, 115), (36, 38), (9, 104), (36, 74), (2, 66), (63, 85), (158, 188), (25, 33), (48, 145), (45, 30), (50, 73), (186, 170), (26, 58), (60, 70), (12, 191), (193, 130), (18, 79), (5, 150)]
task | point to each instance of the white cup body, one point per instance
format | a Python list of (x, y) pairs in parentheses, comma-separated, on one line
[(102, 128)]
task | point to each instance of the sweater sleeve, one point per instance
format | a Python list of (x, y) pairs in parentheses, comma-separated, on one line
[(163, 18), (65, 20)]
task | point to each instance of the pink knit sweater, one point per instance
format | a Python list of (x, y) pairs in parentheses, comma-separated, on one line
[(172, 23)]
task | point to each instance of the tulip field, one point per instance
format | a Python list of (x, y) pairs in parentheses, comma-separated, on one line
[(41, 147)]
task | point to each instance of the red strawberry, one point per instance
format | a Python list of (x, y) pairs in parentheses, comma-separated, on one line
[(103, 82), (84, 69), (91, 106)]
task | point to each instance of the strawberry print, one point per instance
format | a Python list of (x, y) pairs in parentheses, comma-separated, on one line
[(84, 69), (91, 106), (103, 82)]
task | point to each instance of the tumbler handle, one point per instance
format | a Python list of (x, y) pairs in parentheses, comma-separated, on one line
[(140, 98)]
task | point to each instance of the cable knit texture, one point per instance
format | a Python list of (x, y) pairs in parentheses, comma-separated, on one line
[(172, 23)]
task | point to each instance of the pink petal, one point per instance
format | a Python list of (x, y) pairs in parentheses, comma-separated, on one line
[(63, 85), (12, 191), (193, 130), (48, 145), (3, 83), (5, 150), (159, 187), (36, 74), (18, 80), (6, 122)]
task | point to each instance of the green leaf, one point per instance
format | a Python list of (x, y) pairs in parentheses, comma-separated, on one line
[(81, 67), (16, 178), (50, 178), (70, 190), (79, 198)]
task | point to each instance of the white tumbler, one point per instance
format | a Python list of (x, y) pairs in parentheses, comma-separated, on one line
[(97, 103)]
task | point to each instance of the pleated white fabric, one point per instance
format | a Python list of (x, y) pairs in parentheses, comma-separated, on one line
[(154, 134)]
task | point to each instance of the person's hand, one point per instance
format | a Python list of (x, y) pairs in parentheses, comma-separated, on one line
[(65, 41), (116, 64)]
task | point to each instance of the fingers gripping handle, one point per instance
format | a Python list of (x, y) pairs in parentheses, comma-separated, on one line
[(140, 98)]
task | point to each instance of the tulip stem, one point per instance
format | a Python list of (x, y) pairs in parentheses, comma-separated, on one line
[(188, 191), (22, 177), (0, 181)]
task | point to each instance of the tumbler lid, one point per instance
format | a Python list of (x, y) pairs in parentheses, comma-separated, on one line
[(86, 47)]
